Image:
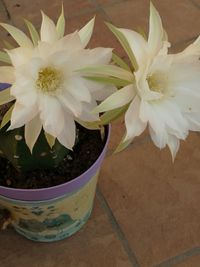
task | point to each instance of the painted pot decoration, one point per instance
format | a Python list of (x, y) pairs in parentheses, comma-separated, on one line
[(53, 213)]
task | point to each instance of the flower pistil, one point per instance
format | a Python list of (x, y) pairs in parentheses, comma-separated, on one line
[(49, 80)]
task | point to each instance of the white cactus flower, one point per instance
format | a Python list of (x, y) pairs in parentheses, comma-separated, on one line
[(166, 92), (48, 90)]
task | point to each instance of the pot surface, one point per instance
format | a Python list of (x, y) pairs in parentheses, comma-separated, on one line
[(51, 220), (53, 213)]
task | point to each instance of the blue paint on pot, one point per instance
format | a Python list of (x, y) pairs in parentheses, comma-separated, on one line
[(54, 213), (54, 219), (37, 212), (3, 86), (51, 207), (24, 229)]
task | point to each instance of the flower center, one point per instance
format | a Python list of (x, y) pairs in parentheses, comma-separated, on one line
[(49, 80), (157, 83)]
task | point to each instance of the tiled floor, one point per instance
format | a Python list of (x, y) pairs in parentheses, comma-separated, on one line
[(146, 211)]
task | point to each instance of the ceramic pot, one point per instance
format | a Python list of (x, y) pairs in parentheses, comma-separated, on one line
[(53, 213)]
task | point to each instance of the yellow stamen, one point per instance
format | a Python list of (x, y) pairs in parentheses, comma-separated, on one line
[(49, 80), (157, 82)]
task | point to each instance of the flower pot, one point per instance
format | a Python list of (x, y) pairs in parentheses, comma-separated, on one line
[(53, 213)]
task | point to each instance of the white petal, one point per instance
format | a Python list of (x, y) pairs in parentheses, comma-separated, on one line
[(5, 96), (19, 56), (192, 49), (35, 65), (99, 91), (60, 26), (43, 50), (187, 103), (18, 35), (70, 103), (68, 134), (33, 32), (155, 40), (28, 98), (59, 60), (173, 144), (86, 32), (78, 90), (164, 50), (106, 70), (160, 64), (21, 88), (7, 75), (25, 97), (170, 115), (48, 30), (134, 126), (184, 74), (193, 120), (104, 92), (69, 43), (148, 114), (142, 84), (50, 112), (32, 132), (138, 45), (21, 115), (86, 114), (159, 138), (83, 58), (118, 99)]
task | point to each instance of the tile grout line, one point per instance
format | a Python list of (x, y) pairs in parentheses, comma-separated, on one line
[(192, 39), (115, 2), (117, 229), (82, 12), (180, 258), (103, 202), (101, 9), (132, 145), (194, 4), (172, 261), (6, 10)]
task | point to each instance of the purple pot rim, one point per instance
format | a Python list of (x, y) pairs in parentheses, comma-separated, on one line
[(4, 86), (58, 190)]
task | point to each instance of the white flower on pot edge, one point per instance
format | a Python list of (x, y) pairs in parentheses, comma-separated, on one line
[(48, 91), (163, 91)]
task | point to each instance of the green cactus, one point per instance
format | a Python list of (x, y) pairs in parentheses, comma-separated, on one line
[(14, 148)]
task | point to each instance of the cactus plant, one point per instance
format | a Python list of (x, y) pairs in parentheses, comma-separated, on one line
[(44, 66), (14, 148)]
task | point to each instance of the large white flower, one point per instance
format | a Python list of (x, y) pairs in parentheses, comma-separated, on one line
[(49, 92), (166, 92)]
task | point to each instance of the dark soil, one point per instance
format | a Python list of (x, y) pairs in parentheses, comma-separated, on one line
[(75, 163)]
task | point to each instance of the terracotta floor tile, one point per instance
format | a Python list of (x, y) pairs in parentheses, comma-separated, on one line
[(196, 3), (178, 47), (191, 262), (3, 18), (20, 9), (126, 14), (96, 245), (108, 2), (3, 15), (155, 202), (101, 36), (181, 18), (117, 132)]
